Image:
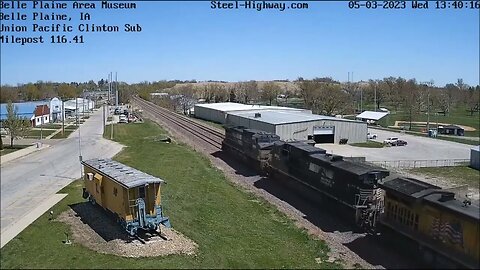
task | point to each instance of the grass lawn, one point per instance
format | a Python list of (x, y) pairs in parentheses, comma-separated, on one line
[(440, 137), (459, 174), (51, 126), (458, 116), (7, 149), (65, 135), (216, 125), (35, 133), (369, 144), (232, 228), (71, 127)]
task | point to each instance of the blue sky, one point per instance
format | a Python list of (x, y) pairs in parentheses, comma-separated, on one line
[(189, 40)]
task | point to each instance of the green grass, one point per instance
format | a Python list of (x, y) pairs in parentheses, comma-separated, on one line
[(35, 133), (65, 135), (369, 144), (7, 149), (216, 125), (440, 137), (71, 127), (232, 228), (458, 116), (51, 126), (459, 174)]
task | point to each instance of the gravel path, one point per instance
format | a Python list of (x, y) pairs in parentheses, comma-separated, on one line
[(352, 249), (91, 229)]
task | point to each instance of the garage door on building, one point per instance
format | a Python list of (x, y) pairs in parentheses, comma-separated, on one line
[(324, 134)]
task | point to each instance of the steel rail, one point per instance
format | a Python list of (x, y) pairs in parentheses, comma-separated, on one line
[(202, 132)]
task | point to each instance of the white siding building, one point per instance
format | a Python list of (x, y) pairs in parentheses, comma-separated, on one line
[(217, 112), (40, 116), (301, 126)]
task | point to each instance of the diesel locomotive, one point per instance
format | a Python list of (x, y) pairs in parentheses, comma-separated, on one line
[(419, 217)]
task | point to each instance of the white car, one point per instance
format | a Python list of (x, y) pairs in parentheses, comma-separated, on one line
[(391, 140), (123, 119), (371, 136)]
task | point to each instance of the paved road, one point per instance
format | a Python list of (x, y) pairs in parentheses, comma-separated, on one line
[(28, 181), (418, 148)]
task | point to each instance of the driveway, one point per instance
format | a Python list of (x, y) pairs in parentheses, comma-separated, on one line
[(418, 148), (30, 180)]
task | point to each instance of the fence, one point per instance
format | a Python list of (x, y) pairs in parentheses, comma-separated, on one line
[(421, 163)]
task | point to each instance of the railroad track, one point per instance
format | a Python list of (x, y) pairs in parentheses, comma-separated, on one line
[(183, 123)]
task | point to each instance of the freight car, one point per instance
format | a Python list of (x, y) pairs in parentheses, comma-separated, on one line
[(430, 222), (132, 196), (414, 215)]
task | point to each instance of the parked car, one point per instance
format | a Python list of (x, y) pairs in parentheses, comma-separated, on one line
[(123, 119), (391, 140), (125, 112), (400, 143), (117, 111), (371, 136)]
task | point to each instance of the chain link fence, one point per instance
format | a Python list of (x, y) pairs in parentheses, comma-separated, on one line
[(407, 164)]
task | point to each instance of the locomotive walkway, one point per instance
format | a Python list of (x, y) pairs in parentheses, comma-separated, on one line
[(31, 181)]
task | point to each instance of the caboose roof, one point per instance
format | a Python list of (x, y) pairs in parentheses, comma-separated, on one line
[(120, 173)]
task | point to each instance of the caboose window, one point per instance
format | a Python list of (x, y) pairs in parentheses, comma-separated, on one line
[(115, 191)]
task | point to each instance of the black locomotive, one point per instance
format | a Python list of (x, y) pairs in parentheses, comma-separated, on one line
[(422, 218), (323, 177)]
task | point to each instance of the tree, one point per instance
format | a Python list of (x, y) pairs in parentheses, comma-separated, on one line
[(15, 125), (32, 92), (270, 92), (332, 99), (66, 91), (411, 98), (308, 91), (472, 97)]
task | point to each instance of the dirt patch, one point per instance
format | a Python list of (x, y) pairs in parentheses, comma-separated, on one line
[(93, 228), (466, 128)]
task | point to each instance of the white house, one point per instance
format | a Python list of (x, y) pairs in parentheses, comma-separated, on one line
[(55, 109), (40, 116)]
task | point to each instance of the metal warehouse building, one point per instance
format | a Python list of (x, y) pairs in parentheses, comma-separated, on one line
[(301, 126), (217, 112), (475, 157)]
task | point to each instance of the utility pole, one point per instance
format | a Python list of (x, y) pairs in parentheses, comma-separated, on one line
[(41, 124), (428, 85), (375, 95), (63, 116), (76, 111), (103, 124), (116, 89)]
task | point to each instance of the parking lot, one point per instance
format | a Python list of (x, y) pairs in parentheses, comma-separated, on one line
[(418, 148)]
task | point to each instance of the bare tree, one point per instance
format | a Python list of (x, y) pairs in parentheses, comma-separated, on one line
[(411, 98), (270, 92), (246, 91), (185, 97), (472, 102), (308, 91)]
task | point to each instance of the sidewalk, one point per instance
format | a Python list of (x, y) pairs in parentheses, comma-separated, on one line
[(22, 152), (15, 228)]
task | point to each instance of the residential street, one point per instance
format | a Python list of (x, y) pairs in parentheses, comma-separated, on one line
[(30, 180)]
